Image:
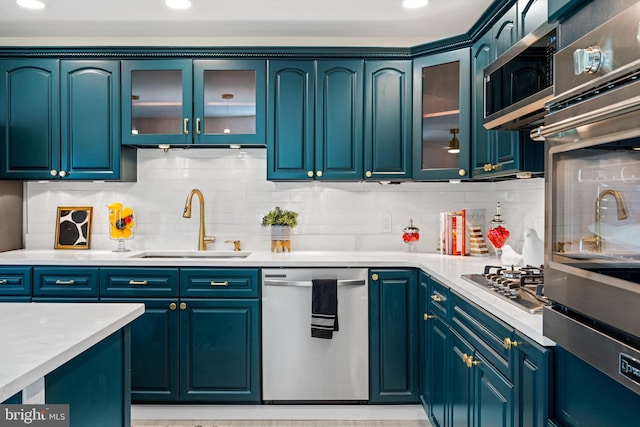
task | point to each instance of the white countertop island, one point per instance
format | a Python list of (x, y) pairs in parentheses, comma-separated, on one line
[(37, 338)]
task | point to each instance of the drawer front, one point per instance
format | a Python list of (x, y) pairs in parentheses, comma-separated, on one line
[(219, 282), (63, 282), (139, 282), (438, 300), (15, 281), (483, 331)]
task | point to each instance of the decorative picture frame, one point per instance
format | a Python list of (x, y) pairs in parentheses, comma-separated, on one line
[(73, 227)]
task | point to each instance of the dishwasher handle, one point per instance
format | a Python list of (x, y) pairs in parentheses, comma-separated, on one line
[(308, 283)]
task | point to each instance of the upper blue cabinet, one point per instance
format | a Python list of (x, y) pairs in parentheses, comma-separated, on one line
[(387, 121), (315, 120), (559, 8), (185, 102), (61, 120), (441, 123), (531, 14)]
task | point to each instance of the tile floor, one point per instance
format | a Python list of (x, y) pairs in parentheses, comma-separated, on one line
[(279, 416)]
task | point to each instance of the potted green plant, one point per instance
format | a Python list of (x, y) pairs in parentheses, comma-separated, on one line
[(281, 222)]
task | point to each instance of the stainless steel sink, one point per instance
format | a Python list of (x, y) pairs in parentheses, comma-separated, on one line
[(191, 254)]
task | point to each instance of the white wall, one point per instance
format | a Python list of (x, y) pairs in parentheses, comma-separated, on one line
[(332, 216)]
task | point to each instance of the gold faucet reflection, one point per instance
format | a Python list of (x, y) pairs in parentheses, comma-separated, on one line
[(203, 239), (622, 213)]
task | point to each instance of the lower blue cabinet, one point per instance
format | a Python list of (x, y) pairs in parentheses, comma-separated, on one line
[(219, 350), (393, 336), (471, 376)]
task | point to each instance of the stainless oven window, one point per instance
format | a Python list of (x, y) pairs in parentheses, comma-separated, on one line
[(596, 208)]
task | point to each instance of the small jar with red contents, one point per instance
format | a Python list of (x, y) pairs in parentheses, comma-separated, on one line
[(411, 235)]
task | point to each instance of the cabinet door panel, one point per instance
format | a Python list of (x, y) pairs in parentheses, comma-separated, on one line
[(483, 147), (439, 362), (220, 350), (158, 102), (154, 351), (229, 101), (533, 383), (505, 32), (494, 397), (387, 134), (29, 119), (338, 139), (291, 116), (531, 14), (90, 119), (393, 337), (460, 394)]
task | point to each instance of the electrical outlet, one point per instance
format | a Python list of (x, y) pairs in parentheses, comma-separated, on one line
[(386, 222)]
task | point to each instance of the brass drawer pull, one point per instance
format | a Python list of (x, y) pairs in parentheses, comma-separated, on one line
[(374, 276), (219, 283), (172, 306), (468, 360), (65, 282), (137, 282), (436, 298), (4, 282), (183, 306), (508, 344), (428, 316)]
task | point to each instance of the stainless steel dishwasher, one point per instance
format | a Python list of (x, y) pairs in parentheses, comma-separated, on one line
[(299, 368)]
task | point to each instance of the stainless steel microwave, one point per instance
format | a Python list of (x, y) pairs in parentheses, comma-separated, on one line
[(518, 83)]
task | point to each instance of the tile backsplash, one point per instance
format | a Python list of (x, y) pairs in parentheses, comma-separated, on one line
[(332, 216)]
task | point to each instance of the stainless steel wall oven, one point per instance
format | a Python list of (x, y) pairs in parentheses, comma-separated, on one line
[(592, 255)]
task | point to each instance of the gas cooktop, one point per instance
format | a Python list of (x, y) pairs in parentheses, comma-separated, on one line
[(521, 286)]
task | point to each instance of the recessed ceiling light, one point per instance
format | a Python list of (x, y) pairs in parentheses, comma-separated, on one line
[(31, 4), (414, 4), (178, 4)]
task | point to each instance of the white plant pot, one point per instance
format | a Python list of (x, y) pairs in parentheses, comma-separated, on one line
[(280, 238)]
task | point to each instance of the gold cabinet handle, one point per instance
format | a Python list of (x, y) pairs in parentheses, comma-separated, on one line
[(4, 282), (172, 306), (508, 343), (462, 172), (319, 173), (310, 174), (185, 127), (426, 316), (138, 282), (225, 283), (63, 174), (198, 125), (53, 172), (374, 276), (487, 167), (436, 298), (183, 306), (65, 282), (468, 360), (368, 174)]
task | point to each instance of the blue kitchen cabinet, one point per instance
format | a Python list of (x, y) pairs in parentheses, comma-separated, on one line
[(423, 340), (531, 14), (315, 120), (387, 121), (498, 152), (193, 102), (480, 372), (95, 384), (90, 123), (558, 9), (220, 350), (154, 335), (441, 116), (15, 283), (72, 284), (69, 128), (29, 118), (393, 336)]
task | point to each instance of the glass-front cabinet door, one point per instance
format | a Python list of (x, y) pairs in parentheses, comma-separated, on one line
[(156, 102), (183, 102), (229, 102), (441, 148)]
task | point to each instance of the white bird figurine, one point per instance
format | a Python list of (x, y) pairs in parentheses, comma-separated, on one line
[(511, 257), (533, 248)]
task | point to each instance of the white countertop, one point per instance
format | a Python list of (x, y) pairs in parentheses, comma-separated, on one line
[(37, 338), (444, 268)]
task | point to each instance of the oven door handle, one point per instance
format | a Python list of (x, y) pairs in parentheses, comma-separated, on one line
[(308, 283)]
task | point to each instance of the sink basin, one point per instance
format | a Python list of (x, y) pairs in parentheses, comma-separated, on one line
[(192, 254)]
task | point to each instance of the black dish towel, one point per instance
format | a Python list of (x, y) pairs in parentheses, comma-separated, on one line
[(324, 308)]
